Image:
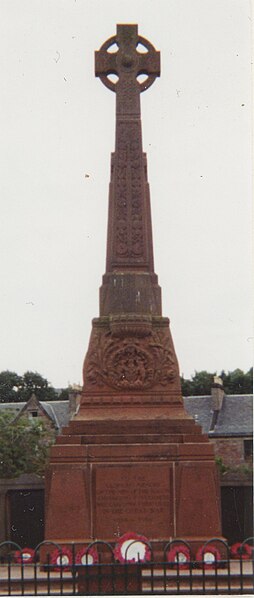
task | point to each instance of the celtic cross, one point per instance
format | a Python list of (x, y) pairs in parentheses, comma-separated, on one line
[(127, 63), (124, 57)]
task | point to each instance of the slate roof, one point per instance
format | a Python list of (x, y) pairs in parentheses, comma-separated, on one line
[(201, 409), (236, 416), (234, 419), (15, 407), (58, 411)]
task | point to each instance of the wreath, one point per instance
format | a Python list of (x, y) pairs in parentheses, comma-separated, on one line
[(26, 555), (132, 548), (241, 551), (87, 556), (179, 556), (61, 558), (208, 556)]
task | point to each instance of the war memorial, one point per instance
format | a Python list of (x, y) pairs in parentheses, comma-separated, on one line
[(131, 459), (132, 490)]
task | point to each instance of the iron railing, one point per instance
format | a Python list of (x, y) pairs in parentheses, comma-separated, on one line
[(94, 570)]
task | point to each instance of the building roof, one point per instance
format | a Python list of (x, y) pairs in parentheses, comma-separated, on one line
[(234, 419), (236, 416), (58, 411), (201, 410)]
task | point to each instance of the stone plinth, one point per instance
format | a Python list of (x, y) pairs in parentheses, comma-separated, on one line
[(136, 470)]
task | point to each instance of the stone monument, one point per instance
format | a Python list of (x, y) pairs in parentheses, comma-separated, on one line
[(131, 459)]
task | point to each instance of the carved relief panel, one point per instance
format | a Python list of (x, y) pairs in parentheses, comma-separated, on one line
[(136, 362)]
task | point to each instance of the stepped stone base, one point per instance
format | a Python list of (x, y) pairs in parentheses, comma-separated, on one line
[(149, 474)]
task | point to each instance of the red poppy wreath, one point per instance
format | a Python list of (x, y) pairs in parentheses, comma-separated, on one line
[(26, 555), (240, 550), (208, 556), (132, 548), (87, 556), (61, 558), (179, 556)]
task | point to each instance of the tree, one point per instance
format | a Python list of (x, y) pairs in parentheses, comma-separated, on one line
[(200, 384), (35, 383), (15, 388), (24, 446), (10, 386), (186, 387), (235, 382), (64, 395), (248, 381)]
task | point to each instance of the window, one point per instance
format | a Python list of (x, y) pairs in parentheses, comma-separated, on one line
[(33, 413), (248, 449)]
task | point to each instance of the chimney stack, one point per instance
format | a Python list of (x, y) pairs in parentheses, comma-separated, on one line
[(217, 393)]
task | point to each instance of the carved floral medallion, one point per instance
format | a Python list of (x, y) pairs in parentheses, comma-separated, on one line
[(130, 363)]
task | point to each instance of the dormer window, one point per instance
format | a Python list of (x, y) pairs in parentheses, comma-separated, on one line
[(33, 414)]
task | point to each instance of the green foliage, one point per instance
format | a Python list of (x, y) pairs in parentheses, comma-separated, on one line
[(200, 384), (35, 383), (186, 387), (243, 469), (64, 395), (10, 387), (247, 469), (235, 382), (221, 466), (16, 389), (24, 446)]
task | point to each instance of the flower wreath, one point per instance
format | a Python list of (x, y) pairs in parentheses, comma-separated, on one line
[(208, 556), (240, 550), (26, 555), (61, 558), (179, 556), (87, 556), (132, 548)]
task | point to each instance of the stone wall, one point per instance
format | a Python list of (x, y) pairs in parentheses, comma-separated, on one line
[(235, 467), (231, 450)]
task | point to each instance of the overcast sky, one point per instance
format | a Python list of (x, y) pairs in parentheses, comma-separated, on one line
[(57, 127)]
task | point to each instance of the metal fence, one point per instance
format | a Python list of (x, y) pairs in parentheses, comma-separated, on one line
[(101, 569)]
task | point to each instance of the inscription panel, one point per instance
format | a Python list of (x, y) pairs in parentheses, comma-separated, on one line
[(197, 500), (134, 498)]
